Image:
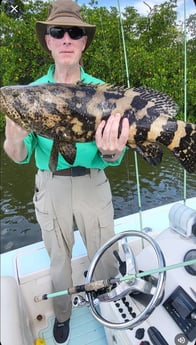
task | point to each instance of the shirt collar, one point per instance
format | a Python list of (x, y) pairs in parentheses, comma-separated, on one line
[(52, 69)]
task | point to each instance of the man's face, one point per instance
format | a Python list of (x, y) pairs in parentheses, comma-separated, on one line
[(65, 50)]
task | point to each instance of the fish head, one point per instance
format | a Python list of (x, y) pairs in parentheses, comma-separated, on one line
[(7, 95), (11, 99), (43, 109), (31, 107)]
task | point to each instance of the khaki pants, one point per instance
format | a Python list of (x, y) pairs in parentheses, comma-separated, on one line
[(60, 199)]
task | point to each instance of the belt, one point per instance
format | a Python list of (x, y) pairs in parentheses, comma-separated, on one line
[(75, 171)]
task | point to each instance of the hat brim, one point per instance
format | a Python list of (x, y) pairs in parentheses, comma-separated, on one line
[(41, 29)]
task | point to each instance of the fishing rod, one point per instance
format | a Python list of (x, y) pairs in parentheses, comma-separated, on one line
[(185, 91), (99, 284), (128, 85)]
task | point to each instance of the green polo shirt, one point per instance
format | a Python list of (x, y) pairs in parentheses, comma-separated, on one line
[(87, 154)]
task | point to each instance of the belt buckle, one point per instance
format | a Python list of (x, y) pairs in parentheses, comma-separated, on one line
[(78, 171)]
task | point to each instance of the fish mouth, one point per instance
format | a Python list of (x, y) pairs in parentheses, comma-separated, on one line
[(2, 100), (6, 106)]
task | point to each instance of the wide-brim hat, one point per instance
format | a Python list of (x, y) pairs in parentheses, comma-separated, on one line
[(64, 13)]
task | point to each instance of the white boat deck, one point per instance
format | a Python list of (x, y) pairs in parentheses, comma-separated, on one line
[(29, 263), (85, 330), (155, 219)]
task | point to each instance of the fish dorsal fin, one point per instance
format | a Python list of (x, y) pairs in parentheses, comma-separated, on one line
[(163, 103)]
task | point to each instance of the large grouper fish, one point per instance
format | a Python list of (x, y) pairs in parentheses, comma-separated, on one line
[(70, 113)]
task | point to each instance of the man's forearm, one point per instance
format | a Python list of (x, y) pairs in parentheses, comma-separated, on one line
[(17, 151)]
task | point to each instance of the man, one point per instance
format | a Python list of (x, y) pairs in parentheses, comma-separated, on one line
[(80, 192)]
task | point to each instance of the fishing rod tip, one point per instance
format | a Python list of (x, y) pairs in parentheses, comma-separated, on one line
[(40, 298)]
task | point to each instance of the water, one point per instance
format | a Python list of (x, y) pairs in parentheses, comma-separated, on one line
[(159, 185)]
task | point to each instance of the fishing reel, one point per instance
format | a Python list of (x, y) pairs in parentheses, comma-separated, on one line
[(130, 282)]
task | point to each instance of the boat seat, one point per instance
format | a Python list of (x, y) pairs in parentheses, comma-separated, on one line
[(14, 326)]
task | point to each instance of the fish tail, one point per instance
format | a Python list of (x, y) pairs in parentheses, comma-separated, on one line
[(184, 145)]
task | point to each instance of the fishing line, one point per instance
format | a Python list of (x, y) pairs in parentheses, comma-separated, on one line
[(96, 285), (185, 92), (128, 84)]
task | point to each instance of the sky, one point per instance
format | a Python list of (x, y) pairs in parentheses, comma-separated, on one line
[(144, 9)]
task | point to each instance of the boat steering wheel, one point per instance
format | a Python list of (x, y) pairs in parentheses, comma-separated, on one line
[(134, 285)]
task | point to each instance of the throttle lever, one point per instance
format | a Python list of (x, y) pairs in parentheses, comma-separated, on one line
[(122, 264)]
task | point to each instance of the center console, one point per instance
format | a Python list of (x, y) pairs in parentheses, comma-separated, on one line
[(173, 321)]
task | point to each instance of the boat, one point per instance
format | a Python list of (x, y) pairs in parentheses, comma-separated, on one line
[(164, 252), (153, 301)]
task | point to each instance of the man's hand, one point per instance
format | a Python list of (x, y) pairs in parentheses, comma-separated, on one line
[(13, 131), (14, 145), (107, 139)]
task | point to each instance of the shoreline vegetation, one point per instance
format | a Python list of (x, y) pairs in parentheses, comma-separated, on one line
[(155, 49)]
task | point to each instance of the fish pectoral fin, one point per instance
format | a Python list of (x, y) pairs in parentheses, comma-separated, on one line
[(65, 147), (151, 152), (53, 157), (68, 151)]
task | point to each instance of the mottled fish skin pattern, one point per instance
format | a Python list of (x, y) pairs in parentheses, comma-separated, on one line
[(70, 113)]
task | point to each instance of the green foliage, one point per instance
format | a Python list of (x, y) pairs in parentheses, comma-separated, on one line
[(2, 121), (154, 46), (22, 59)]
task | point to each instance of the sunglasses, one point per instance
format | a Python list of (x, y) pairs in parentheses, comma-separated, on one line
[(75, 33)]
